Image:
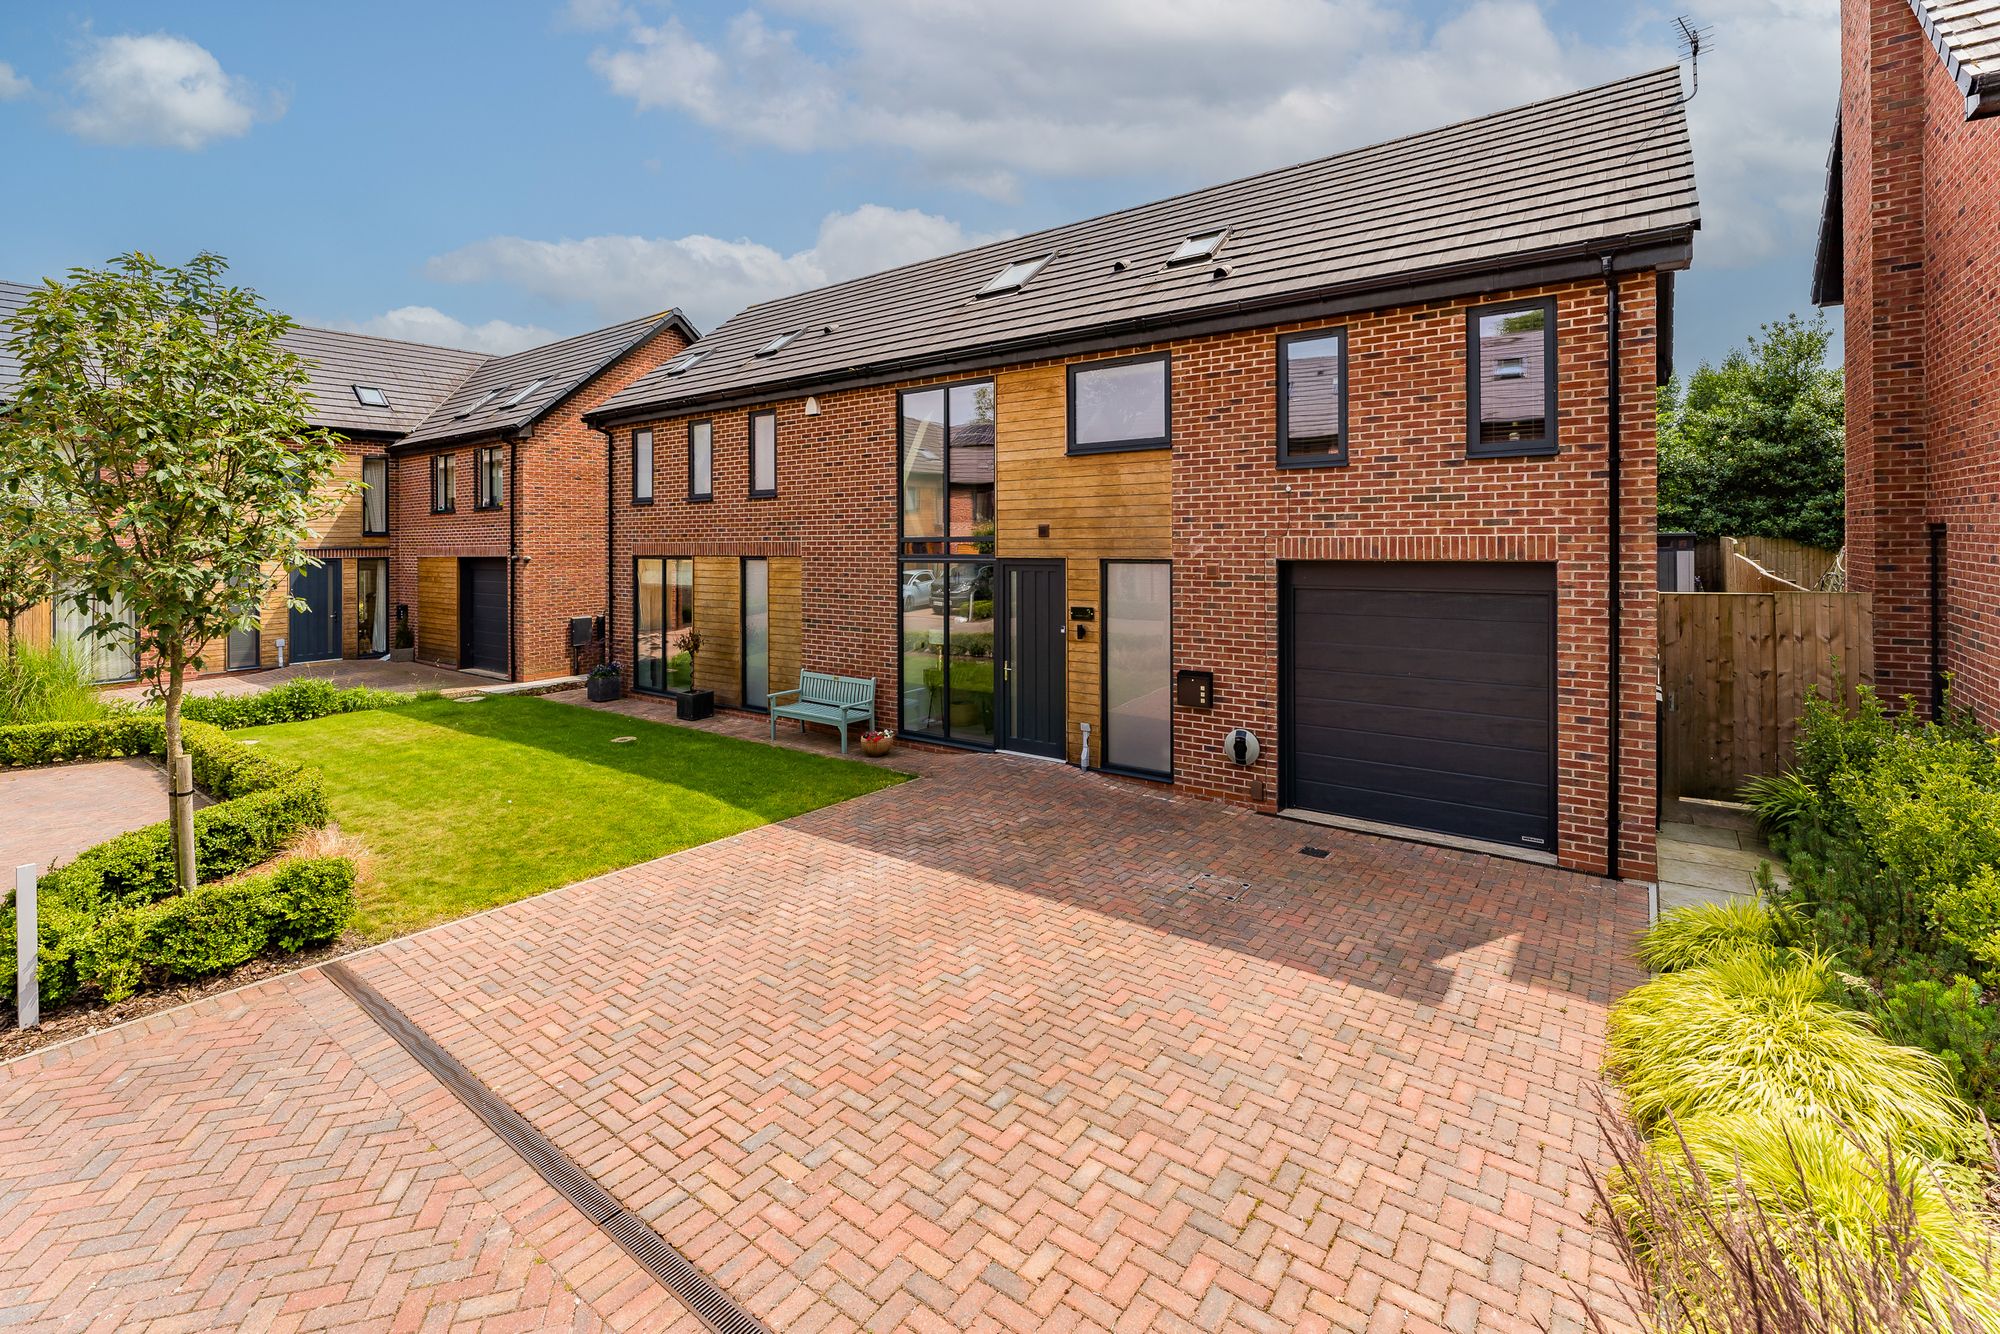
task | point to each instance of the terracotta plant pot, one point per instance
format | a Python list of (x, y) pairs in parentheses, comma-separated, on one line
[(878, 745)]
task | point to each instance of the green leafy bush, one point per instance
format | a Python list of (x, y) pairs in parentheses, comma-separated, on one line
[(1758, 1034), (46, 683), (292, 702), (1953, 1020), (1691, 936)]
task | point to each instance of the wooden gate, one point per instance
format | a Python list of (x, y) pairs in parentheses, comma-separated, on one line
[(1735, 669)]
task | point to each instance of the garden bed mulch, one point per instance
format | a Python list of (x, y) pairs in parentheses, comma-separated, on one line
[(76, 1021)]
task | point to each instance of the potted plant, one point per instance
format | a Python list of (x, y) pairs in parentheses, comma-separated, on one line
[(878, 743), (693, 703), (606, 683), (405, 649)]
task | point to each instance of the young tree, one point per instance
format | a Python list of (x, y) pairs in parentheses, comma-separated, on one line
[(163, 431), (1756, 447)]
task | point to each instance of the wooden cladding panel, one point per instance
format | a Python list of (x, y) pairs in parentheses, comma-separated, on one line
[(1085, 664), (718, 614), (787, 604), (1735, 669), (341, 526), (1094, 504), (437, 610)]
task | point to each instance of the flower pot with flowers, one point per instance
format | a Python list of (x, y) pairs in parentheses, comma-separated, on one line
[(877, 743)]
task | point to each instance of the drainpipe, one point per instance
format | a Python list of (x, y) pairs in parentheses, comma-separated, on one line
[(1937, 620), (1613, 823), (610, 539), (513, 495)]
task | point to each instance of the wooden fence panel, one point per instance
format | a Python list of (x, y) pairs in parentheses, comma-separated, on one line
[(1735, 670)]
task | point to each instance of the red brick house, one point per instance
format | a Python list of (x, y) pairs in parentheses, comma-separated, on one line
[(1910, 245), (1356, 455)]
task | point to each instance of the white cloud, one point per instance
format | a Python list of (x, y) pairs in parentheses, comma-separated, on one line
[(708, 277), (12, 85), (427, 324), (981, 97), (160, 91)]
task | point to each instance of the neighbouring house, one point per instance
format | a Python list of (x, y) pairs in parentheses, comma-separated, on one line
[(492, 583), (1910, 246), (1357, 455)]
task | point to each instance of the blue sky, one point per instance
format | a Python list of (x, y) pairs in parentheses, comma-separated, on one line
[(488, 174)]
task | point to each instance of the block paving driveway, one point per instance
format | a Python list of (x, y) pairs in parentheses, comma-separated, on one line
[(1007, 1047)]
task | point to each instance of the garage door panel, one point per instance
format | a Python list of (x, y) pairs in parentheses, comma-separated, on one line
[(1423, 695)]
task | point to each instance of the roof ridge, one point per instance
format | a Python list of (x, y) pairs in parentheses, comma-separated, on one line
[(1595, 89), (384, 338)]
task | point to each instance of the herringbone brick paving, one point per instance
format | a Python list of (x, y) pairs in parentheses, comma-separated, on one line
[(1009, 1047)]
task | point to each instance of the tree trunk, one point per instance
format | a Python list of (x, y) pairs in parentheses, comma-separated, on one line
[(180, 799), (10, 639)]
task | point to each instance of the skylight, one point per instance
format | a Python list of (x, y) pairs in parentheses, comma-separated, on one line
[(526, 389), (779, 344), (1016, 275), (684, 363), (1199, 245), (479, 403), (370, 397)]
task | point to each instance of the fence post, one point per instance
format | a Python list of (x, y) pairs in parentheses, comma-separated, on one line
[(27, 990)]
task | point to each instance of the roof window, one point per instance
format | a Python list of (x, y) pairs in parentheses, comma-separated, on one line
[(1200, 245), (779, 344), (370, 397), (1016, 275), (684, 363), (526, 390), (478, 403)]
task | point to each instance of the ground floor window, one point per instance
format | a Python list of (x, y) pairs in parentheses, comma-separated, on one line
[(1138, 639), (664, 620), (101, 633), (947, 657), (757, 633), (372, 605)]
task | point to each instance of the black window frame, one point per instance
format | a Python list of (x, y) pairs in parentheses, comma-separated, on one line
[(1336, 458), (1104, 669), (650, 472), (1075, 368), (444, 482), (701, 497), (942, 547), (666, 563), (1547, 444), (366, 461), (743, 634), (750, 453), (486, 493)]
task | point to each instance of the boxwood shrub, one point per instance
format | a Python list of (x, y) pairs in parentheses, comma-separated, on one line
[(293, 702), (100, 914)]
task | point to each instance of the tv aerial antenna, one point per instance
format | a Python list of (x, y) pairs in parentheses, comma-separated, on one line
[(1694, 39)]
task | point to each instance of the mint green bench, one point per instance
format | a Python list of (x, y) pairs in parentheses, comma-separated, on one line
[(836, 701)]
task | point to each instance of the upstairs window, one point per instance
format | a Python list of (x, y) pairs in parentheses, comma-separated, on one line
[(1119, 404), (476, 404), (947, 469), (1016, 275), (642, 467), (444, 483), (1511, 383), (521, 394), (763, 454), (684, 363), (375, 497), (369, 396), (778, 344), (1312, 398), (1200, 245), (489, 479), (701, 460)]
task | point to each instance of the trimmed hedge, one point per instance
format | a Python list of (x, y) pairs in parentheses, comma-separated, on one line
[(262, 805), (292, 702)]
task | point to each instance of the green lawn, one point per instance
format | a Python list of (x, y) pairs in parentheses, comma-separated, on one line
[(465, 806)]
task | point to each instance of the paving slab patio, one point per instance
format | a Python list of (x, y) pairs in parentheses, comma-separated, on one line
[(1008, 1047)]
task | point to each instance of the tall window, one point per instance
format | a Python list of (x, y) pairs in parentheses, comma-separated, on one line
[(444, 483), (375, 497), (1119, 404), (763, 453), (701, 461), (1138, 643), (757, 633), (490, 477), (1312, 398), (1511, 384), (663, 620), (642, 467), (947, 469)]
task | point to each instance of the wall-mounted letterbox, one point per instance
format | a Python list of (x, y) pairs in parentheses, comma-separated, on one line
[(1194, 690)]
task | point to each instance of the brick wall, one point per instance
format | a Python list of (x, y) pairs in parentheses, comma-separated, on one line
[(1408, 493)]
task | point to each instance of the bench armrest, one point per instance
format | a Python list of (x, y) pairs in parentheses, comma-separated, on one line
[(775, 696)]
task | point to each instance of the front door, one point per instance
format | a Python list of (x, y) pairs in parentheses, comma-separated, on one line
[(1033, 629), (316, 627)]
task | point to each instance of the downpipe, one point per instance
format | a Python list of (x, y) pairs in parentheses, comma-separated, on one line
[(1614, 372)]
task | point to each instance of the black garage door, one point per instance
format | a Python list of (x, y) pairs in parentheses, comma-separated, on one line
[(1422, 695), (482, 612)]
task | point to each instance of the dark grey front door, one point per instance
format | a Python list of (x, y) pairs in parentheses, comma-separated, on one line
[(482, 605), (1033, 627), (1422, 695), (316, 628)]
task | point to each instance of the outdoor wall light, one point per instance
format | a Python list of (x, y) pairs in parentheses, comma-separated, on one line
[(1241, 746)]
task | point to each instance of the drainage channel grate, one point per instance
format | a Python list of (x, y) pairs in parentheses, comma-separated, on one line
[(709, 1303)]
